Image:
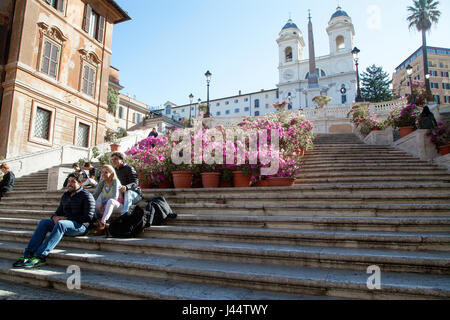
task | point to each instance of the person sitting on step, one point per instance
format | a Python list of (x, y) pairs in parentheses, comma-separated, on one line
[(7, 183), (128, 178), (72, 218), (76, 168), (109, 198), (90, 172)]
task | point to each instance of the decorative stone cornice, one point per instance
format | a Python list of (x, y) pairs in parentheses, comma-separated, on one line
[(89, 56), (53, 32)]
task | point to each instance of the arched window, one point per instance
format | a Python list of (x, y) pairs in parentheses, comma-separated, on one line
[(288, 54), (340, 43)]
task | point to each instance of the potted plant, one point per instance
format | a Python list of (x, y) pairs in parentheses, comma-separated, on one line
[(322, 101), (226, 178), (406, 119), (440, 136), (288, 170), (210, 175), (112, 137)]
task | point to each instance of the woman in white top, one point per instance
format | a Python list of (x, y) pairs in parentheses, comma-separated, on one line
[(109, 198)]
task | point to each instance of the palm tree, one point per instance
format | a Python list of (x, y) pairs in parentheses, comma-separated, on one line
[(423, 14)]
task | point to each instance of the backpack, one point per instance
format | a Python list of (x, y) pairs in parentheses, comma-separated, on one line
[(159, 210), (130, 224)]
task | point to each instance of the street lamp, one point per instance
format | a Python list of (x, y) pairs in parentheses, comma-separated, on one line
[(191, 98), (355, 53), (208, 80), (409, 71)]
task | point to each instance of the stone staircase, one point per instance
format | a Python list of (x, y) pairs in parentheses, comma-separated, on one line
[(314, 240)]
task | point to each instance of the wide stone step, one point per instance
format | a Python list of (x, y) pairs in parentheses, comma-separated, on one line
[(312, 209), (266, 198), (429, 224), (443, 175), (163, 278), (374, 179), (227, 252), (413, 162), (375, 158), (347, 239), (28, 219), (97, 284), (366, 167)]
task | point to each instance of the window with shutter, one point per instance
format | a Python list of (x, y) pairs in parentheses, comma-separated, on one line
[(93, 23), (50, 58), (88, 81)]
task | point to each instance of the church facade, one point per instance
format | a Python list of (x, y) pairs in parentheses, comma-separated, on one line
[(302, 75)]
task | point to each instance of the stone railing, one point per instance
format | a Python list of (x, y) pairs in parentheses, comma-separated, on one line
[(63, 155), (328, 113)]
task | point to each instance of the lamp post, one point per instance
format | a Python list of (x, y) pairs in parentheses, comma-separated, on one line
[(198, 105), (409, 71), (208, 80), (191, 98), (355, 53)]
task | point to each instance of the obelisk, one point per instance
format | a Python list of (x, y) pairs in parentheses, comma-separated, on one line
[(313, 81)]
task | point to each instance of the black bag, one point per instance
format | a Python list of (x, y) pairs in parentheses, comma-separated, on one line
[(130, 224), (159, 211)]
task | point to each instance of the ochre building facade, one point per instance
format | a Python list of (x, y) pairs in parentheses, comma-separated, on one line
[(55, 60)]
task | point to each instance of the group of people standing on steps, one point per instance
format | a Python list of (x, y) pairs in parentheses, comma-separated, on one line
[(117, 189)]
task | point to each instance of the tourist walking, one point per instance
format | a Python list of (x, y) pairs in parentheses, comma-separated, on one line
[(7, 183), (72, 218), (427, 119), (109, 198)]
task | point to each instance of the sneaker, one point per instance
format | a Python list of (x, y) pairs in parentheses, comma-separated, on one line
[(35, 263), (21, 262)]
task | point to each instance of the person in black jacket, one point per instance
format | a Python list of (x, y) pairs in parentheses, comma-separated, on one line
[(72, 218), (153, 133), (427, 119), (7, 183), (128, 178)]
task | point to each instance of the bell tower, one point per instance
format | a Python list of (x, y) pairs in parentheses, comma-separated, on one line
[(340, 32), (291, 45)]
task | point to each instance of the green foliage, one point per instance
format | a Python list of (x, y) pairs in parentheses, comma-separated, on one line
[(113, 137), (113, 100), (423, 14), (376, 85)]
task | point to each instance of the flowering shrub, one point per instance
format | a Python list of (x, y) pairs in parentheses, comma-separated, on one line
[(358, 115), (152, 157), (407, 116), (322, 100), (440, 135)]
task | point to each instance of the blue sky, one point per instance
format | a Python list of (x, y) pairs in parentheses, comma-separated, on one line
[(165, 50)]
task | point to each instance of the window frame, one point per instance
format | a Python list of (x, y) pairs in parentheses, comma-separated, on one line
[(96, 32), (84, 65), (51, 131), (89, 124)]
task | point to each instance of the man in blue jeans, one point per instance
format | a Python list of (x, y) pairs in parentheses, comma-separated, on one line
[(72, 218), (128, 178)]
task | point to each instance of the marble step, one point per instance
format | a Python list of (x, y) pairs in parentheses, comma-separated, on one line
[(331, 188), (268, 197), (374, 179), (28, 219), (270, 256), (101, 285), (318, 209)]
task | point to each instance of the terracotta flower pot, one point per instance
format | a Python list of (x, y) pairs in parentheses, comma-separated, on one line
[(443, 150), (143, 183), (261, 183), (210, 179), (281, 182), (404, 131), (241, 181), (225, 184), (114, 147), (164, 184), (182, 179)]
